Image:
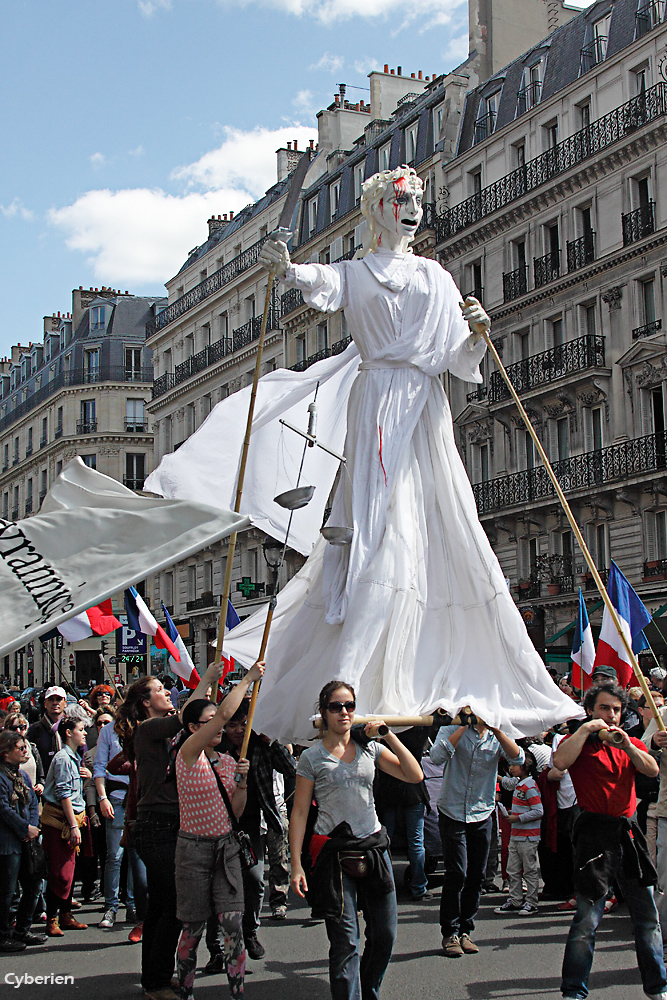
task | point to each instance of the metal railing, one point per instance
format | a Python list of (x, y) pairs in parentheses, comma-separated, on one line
[(485, 126), (28, 506), (86, 426), (649, 16), (638, 224), (163, 384), (326, 352), (528, 97), (589, 141), (647, 330), (540, 369), (15, 514), (547, 268), (655, 567), (515, 283), (205, 601), (616, 463), (290, 300), (78, 376), (593, 53), (213, 283), (135, 426), (133, 484), (428, 219), (28, 451), (478, 394), (43, 441), (580, 251), (375, 129), (246, 334), (58, 433)]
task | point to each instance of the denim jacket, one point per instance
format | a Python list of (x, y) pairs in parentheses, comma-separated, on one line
[(64, 780), (14, 821)]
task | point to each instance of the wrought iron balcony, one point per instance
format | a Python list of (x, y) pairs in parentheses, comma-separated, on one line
[(546, 269), (133, 484), (485, 126), (86, 426), (28, 451), (655, 568), (16, 460), (209, 286), (290, 300), (515, 283), (541, 369), (478, 394), (43, 441), (28, 506), (15, 514), (648, 16), (327, 352), (593, 53), (589, 141), (593, 469), (638, 224), (205, 601), (163, 384), (246, 334), (428, 220), (375, 129), (528, 97), (58, 433), (135, 426), (581, 251), (647, 330), (199, 362)]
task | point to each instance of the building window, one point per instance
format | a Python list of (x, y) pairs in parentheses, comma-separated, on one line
[(563, 438), (312, 216), (480, 462), (411, 142), (322, 337), (133, 364), (583, 114), (656, 535), (91, 365), (167, 589), (438, 118), (59, 467), (88, 421), (43, 485), (5, 505), (97, 318), (358, 181), (28, 497), (525, 450), (45, 432), (207, 577), (334, 199), (531, 87), (384, 156), (90, 461), (192, 583), (16, 451), (300, 348), (135, 418), (487, 114), (475, 181), (15, 506), (550, 134), (29, 447), (5, 459), (647, 300), (134, 471)]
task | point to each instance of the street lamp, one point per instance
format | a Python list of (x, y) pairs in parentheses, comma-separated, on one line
[(272, 550)]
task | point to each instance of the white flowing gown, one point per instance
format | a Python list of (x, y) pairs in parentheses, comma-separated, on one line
[(415, 614)]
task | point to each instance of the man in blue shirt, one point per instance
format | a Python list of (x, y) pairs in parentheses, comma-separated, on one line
[(467, 799)]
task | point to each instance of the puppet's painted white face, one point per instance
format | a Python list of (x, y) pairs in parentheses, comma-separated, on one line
[(399, 212)]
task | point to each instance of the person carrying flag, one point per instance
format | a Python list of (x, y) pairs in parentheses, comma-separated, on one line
[(608, 844)]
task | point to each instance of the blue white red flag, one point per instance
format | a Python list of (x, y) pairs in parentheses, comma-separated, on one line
[(232, 619), (583, 649), (633, 616), (141, 620), (185, 668)]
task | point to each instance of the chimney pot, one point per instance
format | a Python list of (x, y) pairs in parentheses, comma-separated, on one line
[(231, 215), (399, 71), (412, 76), (289, 145), (386, 67), (427, 79), (420, 75), (296, 143), (392, 73), (312, 143)]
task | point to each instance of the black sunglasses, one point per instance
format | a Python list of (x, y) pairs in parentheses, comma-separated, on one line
[(338, 706), (18, 729)]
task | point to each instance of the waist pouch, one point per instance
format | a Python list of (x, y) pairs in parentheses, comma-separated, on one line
[(354, 863)]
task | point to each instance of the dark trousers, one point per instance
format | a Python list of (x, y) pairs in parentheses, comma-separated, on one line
[(155, 841), (13, 873), (465, 848)]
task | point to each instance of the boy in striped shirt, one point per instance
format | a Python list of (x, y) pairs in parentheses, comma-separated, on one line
[(525, 818)]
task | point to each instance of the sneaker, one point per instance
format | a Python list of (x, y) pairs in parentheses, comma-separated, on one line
[(253, 947), (527, 910), (508, 907), (611, 904), (452, 946), (506, 886), (278, 912), (136, 933), (215, 965), (11, 944), (424, 896), (108, 920), (657, 996), (28, 938), (569, 904), (469, 947), (39, 918), (130, 915)]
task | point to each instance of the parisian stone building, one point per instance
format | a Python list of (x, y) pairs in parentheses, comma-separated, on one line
[(82, 390), (556, 219), (204, 342)]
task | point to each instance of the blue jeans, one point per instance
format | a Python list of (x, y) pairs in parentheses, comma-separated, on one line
[(253, 885), (350, 977), (12, 874), (578, 957), (414, 832), (114, 831), (465, 848)]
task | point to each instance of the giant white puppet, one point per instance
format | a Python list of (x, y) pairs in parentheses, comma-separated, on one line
[(415, 613)]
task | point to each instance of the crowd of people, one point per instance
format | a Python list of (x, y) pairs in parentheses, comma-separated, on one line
[(148, 800)]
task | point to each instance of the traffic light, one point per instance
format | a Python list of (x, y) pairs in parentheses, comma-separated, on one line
[(103, 646)]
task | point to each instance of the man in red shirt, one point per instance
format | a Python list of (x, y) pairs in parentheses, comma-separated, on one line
[(608, 844)]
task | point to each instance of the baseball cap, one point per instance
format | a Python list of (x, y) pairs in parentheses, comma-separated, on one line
[(605, 672), (53, 692)]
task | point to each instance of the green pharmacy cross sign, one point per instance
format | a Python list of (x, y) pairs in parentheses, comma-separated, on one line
[(248, 588)]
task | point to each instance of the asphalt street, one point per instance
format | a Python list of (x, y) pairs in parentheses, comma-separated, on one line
[(519, 958)]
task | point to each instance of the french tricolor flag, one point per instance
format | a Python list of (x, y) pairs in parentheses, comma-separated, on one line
[(140, 619), (633, 617), (98, 620), (185, 668), (583, 649)]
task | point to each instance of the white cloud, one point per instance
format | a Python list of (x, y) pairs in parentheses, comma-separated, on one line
[(139, 151), (245, 159), (328, 11), (457, 51), (329, 63), (97, 160), (143, 235), (140, 235), (16, 209), (303, 104), (366, 65), (150, 7)]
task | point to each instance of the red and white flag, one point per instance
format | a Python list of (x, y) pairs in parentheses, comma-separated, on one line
[(99, 620)]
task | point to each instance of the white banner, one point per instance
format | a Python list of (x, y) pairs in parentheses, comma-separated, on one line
[(92, 538)]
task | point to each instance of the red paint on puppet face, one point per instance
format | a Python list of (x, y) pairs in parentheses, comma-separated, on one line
[(400, 187)]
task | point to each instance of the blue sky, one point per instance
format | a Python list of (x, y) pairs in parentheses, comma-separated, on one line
[(126, 123)]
